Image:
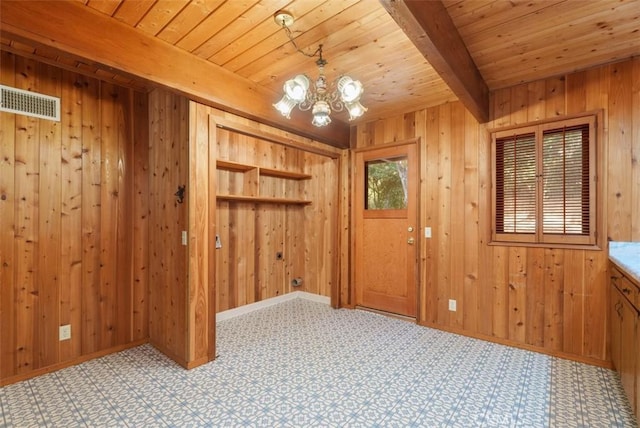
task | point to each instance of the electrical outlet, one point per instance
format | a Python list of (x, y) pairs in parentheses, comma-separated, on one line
[(452, 305), (65, 332), (427, 232)]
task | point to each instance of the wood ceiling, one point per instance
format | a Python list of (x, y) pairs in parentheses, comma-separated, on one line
[(510, 42)]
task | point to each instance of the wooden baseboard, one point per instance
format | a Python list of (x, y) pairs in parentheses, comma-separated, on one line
[(564, 355), (179, 360), (69, 363), (386, 314)]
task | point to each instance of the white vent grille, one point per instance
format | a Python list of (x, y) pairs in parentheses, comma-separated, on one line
[(29, 103)]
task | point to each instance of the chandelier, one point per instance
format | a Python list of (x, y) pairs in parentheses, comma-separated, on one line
[(319, 97)]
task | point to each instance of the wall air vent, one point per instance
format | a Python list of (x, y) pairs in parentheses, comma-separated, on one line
[(18, 101)]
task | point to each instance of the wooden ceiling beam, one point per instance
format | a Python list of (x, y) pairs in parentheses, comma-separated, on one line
[(87, 34), (430, 28)]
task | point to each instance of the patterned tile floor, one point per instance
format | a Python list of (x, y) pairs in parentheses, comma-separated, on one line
[(303, 364)]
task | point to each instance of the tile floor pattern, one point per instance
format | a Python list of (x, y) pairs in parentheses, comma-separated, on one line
[(303, 364)]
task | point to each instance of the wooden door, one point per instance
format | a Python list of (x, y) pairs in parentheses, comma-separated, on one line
[(386, 235)]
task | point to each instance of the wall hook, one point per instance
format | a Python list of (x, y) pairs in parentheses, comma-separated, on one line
[(180, 194)]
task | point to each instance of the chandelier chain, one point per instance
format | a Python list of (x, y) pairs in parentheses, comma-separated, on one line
[(295, 45)]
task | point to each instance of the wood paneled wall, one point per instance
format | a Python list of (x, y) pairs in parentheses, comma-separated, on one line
[(247, 269), (168, 257), (73, 221), (548, 299), (181, 318)]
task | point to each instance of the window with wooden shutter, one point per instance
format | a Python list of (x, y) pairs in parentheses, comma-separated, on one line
[(544, 183)]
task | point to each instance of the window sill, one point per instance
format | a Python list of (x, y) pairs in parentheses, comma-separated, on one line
[(550, 246)]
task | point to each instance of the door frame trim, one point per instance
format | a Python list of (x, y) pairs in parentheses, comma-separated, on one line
[(414, 140), (352, 221)]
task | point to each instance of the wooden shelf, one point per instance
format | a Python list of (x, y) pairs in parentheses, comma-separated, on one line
[(283, 174), (262, 199), (251, 173), (267, 172), (233, 166)]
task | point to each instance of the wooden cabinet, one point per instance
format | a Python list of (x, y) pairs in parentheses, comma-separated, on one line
[(625, 333), (250, 185), (637, 374)]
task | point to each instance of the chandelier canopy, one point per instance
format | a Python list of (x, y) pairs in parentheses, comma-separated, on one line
[(319, 97)]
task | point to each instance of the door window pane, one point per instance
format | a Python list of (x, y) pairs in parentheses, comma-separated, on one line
[(386, 184)]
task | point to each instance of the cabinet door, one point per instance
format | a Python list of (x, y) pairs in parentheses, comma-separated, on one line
[(628, 351), (616, 321), (637, 356)]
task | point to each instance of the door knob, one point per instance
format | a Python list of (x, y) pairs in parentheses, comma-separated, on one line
[(410, 241), (410, 228)]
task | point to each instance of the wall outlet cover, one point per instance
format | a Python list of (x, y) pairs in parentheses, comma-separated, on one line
[(65, 332)]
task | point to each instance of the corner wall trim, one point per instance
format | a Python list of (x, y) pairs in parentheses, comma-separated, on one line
[(245, 309)]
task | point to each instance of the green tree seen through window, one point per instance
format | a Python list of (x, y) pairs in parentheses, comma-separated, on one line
[(386, 184)]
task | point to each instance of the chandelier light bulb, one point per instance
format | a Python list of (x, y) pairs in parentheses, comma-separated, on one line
[(285, 105), (297, 87), (350, 90), (321, 111), (355, 109)]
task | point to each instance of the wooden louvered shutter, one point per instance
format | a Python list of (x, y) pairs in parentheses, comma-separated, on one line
[(567, 190), (515, 186)]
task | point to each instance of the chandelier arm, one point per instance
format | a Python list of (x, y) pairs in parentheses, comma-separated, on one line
[(337, 105), (334, 100), (306, 105)]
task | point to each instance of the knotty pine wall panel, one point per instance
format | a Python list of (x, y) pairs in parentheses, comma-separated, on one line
[(69, 222), (140, 171), (201, 334), (553, 300), (236, 260), (270, 224), (71, 235), (8, 241), (318, 240)]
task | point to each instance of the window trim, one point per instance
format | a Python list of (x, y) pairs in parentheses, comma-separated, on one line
[(538, 238)]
